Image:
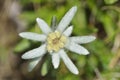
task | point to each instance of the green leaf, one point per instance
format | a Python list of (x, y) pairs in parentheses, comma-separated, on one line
[(110, 1), (24, 44), (102, 53), (44, 69), (108, 25)]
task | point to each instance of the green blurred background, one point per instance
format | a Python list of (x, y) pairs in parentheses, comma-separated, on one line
[(100, 18)]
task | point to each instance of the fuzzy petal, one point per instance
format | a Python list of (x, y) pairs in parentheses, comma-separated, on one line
[(69, 64), (33, 63), (35, 52), (76, 48), (82, 39), (55, 60), (43, 26), (33, 36), (65, 21), (68, 31)]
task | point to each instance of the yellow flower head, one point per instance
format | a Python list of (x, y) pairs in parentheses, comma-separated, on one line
[(55, 41)]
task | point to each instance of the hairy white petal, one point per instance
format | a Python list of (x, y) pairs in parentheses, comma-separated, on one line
[(43, 25), (68, 62), (33, 63), (82, 39), (33, 36), (76, 48), (65, 21), (68, 31), (55, 60), (37, 52)]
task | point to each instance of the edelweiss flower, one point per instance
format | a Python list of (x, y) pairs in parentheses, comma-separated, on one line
[(54, 42)]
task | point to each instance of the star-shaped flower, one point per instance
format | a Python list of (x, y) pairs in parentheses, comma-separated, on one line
[(55, 41)]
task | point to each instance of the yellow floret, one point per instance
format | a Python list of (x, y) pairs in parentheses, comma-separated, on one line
[(55, 41)]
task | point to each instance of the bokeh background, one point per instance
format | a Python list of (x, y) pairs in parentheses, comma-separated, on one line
[(100, 18)]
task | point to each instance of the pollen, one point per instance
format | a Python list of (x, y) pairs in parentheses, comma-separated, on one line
[(55, 41)]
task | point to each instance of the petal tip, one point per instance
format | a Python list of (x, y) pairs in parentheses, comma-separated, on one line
[(74, 8), (94, 37), (71, 27), (76, 72), (23, 34), (37, 18), (55, 67), (86, 53), (20, 34), (23, 57)]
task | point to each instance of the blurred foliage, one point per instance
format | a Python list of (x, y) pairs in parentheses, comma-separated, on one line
[(94, 17)]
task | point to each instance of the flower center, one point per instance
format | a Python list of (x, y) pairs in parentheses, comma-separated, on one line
[(55, 41)]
